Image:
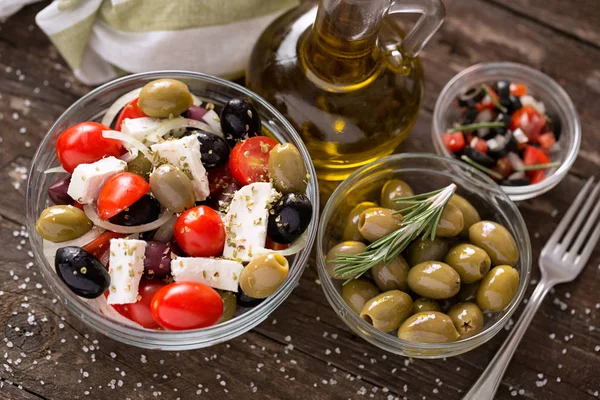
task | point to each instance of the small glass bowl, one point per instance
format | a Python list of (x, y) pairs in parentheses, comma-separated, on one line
[(91, 107), (423, 172), (542, 87)]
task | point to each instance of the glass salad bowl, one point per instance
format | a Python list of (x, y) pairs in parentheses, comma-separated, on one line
[(92, 107), (424, 173)]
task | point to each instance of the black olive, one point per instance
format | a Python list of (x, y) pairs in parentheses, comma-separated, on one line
[(214, 149), (469, 116), (83, 273), (503, 90), (143, 211), (507, 143), (289, 218), (504, 119), (471, 97), (244, 300), (479, 157), (239, 121), (58, 191), (511, 104), (515, 182), (221, 198), (553, 126)]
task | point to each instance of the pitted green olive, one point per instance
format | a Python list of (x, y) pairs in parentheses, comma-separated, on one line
[(165, 97), (357, 292), (264, 275), (467, 319), (346, 248), (393, 190), (392, 275), (388, 310), (496, 240), (428, 327), (62, 223), (423, 304), (434, 279), (376, 222), (471, 262), (172, 188), (451, 223), (140, 166), (467, 292), (498, 288), (286, 169), (351, 229), (470, 214), (229, 305), (426, 250)]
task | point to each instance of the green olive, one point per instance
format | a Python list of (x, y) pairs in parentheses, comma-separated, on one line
[(467, 319), (172, 188), (351, 229), (498, 288), (470, 214), (423, 304), (395, 189), (428, 327), (468, 292), (165, 97), (434, 279), (357, 292), (346, 248), (62, 223), (264, 275), (451, 223), (286, 169), (471, 262), (229, 305), (496, 240), (376, 222), (140, 166), (392, 275), (388, 310), (426, 250)]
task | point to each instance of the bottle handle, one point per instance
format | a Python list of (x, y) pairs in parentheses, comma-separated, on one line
[(432, 15)]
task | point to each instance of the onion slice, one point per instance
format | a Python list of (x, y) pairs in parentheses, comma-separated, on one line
[(92, 214), (55, 170), (121, 102), (130, 141), (294, 248), (49, 248)]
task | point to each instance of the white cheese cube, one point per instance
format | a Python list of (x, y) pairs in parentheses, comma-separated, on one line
[(87, 179), (216, 273), (126, 266), (185, 154), (520, 136), (246, 221)]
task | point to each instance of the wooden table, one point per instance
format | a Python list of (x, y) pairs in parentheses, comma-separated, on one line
[(303, 351)]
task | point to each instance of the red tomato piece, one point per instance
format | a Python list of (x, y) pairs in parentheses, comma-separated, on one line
[(199, 232), (518, 89), (479, 145), (186, 305), (486, 103), (99, 245), (83, 144), (530, 121), (534, 156), (78, 205), (536, 176), (454, 141), (130, 111), (547, 140), (503, 167), (249, 159), (219, 178), (119, 192), (120, 308), (140, 311)]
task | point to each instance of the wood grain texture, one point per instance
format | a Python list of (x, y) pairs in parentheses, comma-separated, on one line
[(303, 350)]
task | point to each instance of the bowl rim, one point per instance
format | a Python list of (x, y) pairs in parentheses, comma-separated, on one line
[(392, 343), (515, 193), (164, 339)]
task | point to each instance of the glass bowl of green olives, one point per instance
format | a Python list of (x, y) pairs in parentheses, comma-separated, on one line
[(425, 297)]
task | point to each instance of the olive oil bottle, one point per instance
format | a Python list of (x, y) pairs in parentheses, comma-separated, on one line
[(346, 76)]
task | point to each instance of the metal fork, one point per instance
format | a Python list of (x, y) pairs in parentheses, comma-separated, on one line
[(561, 260)]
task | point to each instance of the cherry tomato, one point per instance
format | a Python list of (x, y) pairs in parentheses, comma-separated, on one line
[(219, 178), (454, 141), (119, 192), (547, 140), (83, 144), (536, 176), (249, 159), (199, 232), (140, 311), (120, 308), (186, 305), (518, 89), (99, 245), (77, 204), (130, 111)]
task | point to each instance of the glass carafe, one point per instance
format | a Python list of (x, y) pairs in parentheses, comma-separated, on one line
[(346, 76)]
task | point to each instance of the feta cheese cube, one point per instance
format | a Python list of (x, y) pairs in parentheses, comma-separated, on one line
[(185, 154), (216, 273), (520, 136), (87, 179), (246, 221), (126, 266)]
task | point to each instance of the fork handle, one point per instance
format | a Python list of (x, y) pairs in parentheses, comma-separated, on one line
[(488, 382)]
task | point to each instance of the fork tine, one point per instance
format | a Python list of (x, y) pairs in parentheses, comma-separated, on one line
[(576, 225), (591, 219), (589, 247), (566, 219)]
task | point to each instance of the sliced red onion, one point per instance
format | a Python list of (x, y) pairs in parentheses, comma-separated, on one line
[(195, 112)]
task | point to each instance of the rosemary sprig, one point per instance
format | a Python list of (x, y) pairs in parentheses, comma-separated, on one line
[(538, 166), (420, 218), (480, 167), (495, 102), (474, 127)]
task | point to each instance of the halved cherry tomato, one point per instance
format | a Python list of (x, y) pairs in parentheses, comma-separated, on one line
[(120, 308), (99, 245), (518, 89), (547, 140), (130, 111), (83, 144), (186, 305), (119, 192), (536, 176), (534, 156), (454, 141), (199, 232), (248, 160), (219, 178), (140, 311)]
